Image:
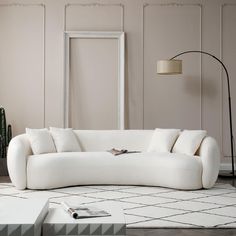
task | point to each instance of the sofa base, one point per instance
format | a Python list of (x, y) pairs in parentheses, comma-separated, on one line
[(98, 168)]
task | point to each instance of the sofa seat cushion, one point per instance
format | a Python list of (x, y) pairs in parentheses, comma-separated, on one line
[(55, 170)]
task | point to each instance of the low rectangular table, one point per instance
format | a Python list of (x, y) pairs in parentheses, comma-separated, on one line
[(58, 222), (22, 217)]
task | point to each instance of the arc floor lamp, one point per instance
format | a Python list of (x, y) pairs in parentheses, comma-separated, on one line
[(173, 66)]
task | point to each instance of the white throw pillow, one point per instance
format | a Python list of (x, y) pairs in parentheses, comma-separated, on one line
[(41, 141), (189, 141), (65, 140), (163, 140)]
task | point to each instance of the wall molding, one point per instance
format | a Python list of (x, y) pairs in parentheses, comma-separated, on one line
[(96, 4), (173, 4), (44, 42), (22, 5), (221, 77)]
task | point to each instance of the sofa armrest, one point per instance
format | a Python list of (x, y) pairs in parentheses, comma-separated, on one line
[(210, 155), (18, 150)]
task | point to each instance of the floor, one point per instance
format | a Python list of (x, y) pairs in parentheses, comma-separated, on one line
[(176, 232)]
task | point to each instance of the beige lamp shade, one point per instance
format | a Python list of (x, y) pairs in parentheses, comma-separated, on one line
[(169, 67)]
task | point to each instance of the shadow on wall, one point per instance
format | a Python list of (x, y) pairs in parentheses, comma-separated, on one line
[(192, 86)]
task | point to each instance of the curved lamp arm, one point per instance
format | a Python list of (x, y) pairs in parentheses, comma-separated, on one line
[(177, 68), (209, 54)]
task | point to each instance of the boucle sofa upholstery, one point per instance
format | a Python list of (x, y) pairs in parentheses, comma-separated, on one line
[(94, 165)]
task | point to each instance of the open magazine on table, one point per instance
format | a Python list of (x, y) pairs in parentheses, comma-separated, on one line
[(81, 211)]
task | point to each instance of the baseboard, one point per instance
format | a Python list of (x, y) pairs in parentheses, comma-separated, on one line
[(226, 166)]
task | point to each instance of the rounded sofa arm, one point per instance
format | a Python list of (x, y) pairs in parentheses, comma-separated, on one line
[(18, 150), (210, 155)]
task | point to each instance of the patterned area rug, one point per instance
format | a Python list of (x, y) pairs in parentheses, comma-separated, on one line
[(149, 207)]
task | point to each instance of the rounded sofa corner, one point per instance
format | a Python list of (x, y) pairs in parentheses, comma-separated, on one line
[(210, 156), (18, 151)]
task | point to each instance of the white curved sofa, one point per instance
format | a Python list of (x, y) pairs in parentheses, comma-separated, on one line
[(96, 166)]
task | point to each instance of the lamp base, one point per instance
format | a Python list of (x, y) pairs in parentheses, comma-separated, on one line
[(227, 174)]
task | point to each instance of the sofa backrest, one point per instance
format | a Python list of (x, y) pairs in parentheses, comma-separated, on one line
[(103, 140)]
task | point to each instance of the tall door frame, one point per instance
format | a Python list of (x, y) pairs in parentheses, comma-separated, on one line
[(120, 36)]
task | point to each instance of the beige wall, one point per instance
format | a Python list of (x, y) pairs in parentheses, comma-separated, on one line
[(93, 83), (32, 60)]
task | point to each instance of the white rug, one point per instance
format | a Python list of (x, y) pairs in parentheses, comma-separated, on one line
[(149, 207)]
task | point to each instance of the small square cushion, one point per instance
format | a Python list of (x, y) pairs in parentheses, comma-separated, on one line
[(163, 140), (189, 141), (65, 140), (41, 141)]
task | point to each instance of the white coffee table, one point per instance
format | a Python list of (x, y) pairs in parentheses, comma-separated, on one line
[(22, 217), (58, 222)]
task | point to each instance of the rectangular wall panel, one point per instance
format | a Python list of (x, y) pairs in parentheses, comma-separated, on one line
[(228, 57), (172, 101), (91, 17), (22, 65), (93, 85)]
